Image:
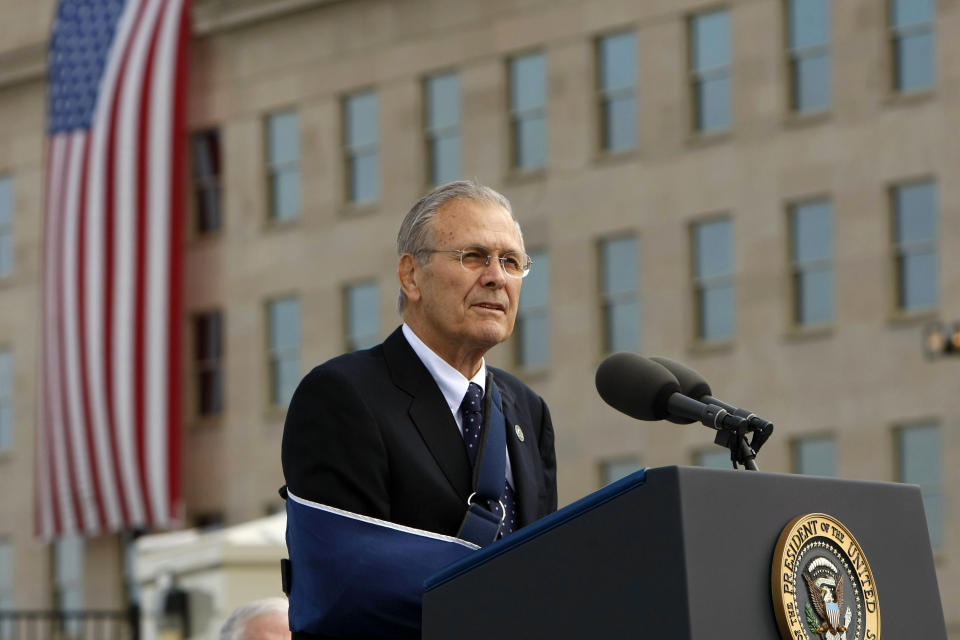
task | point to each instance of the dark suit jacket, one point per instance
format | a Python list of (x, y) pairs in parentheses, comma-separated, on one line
[(371, 433)]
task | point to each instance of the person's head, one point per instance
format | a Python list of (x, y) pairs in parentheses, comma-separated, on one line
[(258, 620), (458, 305)]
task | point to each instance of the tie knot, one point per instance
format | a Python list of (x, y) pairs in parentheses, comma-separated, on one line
[(472, 399)]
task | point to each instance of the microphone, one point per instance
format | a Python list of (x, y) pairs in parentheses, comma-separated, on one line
[(694, 385), (646, 390)]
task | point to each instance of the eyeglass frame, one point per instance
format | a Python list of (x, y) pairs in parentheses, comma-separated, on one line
[(527, 265)]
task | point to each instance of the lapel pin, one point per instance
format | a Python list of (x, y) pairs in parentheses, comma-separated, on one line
[(519, 431)]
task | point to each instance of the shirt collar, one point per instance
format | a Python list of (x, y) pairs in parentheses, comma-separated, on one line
[(453, 384)]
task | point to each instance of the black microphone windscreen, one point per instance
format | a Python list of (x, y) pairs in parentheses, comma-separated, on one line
[(636, 385), (692, 384)]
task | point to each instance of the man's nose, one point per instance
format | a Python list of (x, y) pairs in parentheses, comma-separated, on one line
[(493, 274)]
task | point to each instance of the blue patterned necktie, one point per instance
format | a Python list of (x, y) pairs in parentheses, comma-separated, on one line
[(471, 410)]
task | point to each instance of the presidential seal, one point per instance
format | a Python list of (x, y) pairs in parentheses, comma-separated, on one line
[(823, 588)]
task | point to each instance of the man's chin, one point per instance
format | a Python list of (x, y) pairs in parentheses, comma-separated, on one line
[(490, 336)]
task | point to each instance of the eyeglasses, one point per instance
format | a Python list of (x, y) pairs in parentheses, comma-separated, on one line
[(514, 263)]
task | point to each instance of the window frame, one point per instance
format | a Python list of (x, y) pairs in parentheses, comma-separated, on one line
[(204, 223), (7, 400), (353, 151), (275, 355), (8, 592), (698, 77), (525, 311), (701, 284), (212, 364), (899, 251), (795, 54), (813, 438), (610, 300), (927, 490), (6, 230), (433, 133), (354, 341), (714, 452), (528, 114), (276, 168), (606, 96), (896, 35), (616, 468), (799, 268), (69, 594)]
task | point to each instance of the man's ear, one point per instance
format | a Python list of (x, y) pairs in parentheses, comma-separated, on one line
[(407, 273)]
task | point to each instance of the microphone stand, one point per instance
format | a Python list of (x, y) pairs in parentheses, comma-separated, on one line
[(735, 439)]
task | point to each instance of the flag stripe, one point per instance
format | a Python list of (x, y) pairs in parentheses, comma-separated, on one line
[(82, 489), (147, 41), (100, 302), (107, 455), (128, 26), (175, 257), (80, 277), (66, 479), (162, 93), (58, 488)]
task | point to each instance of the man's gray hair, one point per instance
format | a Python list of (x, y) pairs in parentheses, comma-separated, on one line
[(234, 627), (415, 230)]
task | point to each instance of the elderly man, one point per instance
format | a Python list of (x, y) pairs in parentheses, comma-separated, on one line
[(392, 432)]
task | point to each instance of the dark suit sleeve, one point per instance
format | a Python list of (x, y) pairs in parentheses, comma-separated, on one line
[(548, 457), (332, 450)]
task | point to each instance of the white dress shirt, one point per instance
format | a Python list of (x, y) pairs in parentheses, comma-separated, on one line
[(453, 384)]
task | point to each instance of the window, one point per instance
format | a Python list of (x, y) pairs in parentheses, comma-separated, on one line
[(617, 80), (714, 291), (914, 47), (6, 575), (715, 458), (809, 33), (283, 344), (283, 164), (68, 570), (6, 226), (915, 245), (710, 70), (613, 470), (533, 314), (621, 297), (815, 456), (208, 355), (361, 147), (811, 230), (363, 315), (6, 399), (6, 586), (919, 458), (443, 127), (205, 146), (528, 111)]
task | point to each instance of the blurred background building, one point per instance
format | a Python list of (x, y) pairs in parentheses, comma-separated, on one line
[(764, 190)]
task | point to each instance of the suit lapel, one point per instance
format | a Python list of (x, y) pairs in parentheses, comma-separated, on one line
[(429, 412), (522, 459)]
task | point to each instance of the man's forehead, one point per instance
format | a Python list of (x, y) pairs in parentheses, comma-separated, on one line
[(475, 221)]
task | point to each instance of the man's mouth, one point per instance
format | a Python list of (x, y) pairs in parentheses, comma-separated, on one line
[(494, 306)]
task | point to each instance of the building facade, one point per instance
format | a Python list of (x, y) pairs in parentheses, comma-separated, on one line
[(761, 189)]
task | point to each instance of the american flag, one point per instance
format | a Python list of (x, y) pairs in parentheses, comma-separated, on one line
[(108, 428)]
